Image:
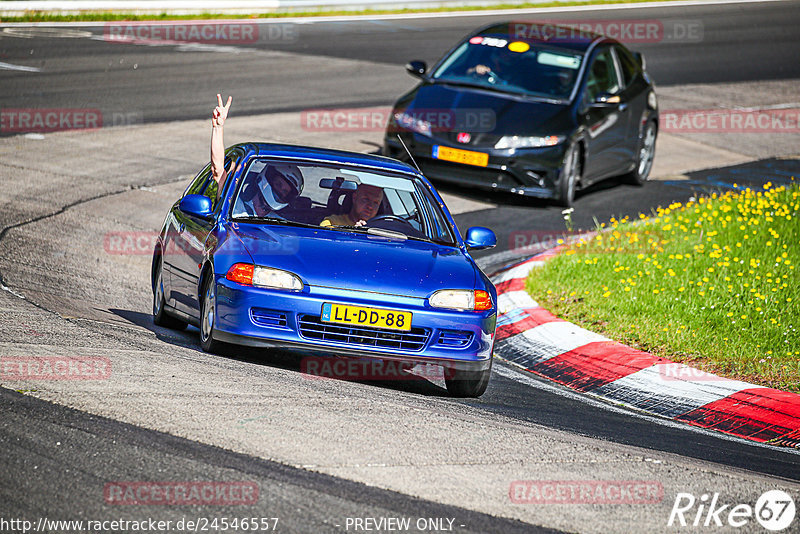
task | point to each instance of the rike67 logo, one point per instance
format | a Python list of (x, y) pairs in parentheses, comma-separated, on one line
[(774, 510)]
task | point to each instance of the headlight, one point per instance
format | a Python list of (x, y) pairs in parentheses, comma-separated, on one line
[(651, 100), (461, 299), (410, 122), (276, 279), (255, 275), (514, 141)]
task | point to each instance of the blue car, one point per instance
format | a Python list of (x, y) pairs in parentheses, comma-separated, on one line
[(277, 258)]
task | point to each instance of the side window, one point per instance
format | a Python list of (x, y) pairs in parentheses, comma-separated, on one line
[(603, 77), (440, 230), (628, 65), (199, 183), (232, 159)]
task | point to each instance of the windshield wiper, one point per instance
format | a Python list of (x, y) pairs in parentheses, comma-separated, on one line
[(270, 220), (502, 89)]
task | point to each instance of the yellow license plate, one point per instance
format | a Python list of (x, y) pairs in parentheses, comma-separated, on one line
[(461, 156), (360, 316)]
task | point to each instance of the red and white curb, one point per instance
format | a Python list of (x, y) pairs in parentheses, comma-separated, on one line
[(533, 338)]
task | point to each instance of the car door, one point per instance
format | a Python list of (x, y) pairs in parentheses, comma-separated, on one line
[(191, 234), (606, 123), (186, 248), (634, 92)]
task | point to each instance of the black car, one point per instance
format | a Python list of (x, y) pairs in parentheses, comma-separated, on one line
[(515, 108)]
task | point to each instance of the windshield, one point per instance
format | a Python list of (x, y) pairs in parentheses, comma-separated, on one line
[(514, 66), (339, 198)]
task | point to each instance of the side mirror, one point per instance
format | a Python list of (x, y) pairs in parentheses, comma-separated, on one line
[(640, 59), (605, 100), (416, 68), (196, 205), (480, 238)]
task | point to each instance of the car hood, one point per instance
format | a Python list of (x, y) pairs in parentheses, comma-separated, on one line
[(509, 114), (350, 260)]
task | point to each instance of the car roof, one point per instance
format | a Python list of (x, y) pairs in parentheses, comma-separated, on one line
[(542, 33), (327, 155)]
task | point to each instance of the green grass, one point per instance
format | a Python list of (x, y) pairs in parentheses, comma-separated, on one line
[(712, 283), (114, 16)]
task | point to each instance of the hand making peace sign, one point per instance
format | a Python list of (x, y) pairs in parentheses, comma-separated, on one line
[(220, 112)]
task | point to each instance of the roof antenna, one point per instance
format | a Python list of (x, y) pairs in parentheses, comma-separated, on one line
[(409, 153)]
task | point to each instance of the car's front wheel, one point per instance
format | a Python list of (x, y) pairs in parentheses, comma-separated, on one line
[(160, 316), (467, 383), (570, 176), (208, 314), (644, 156)]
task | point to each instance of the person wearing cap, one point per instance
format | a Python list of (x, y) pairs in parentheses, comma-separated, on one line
[(366, 202), (276, 186)]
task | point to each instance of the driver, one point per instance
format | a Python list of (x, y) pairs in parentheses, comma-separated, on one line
[(276, 185), (498, 65), (366, 202)]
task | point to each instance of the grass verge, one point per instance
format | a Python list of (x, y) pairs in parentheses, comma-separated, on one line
[(712, 283), (114, 16)]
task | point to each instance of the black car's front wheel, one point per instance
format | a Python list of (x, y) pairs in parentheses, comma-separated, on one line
[(208, 311), (160, 316), (644, 156), (570, 176), (467, 383)]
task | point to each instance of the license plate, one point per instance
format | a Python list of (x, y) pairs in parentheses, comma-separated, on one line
[(461, 156), (360, 316)]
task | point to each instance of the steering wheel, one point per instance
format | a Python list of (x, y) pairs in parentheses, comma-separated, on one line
[(387, 218)]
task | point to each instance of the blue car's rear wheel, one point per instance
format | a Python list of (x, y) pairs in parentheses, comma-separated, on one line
[(208, 314), (467, 383), (160, 316)]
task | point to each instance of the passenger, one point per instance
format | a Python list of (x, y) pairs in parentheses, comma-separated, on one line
[(276, 186), (366, 202)]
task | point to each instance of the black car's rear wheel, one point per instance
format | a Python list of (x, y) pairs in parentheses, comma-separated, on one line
[(160, 316), (644, 156), (570, 176), (467, 383), (208, 315)]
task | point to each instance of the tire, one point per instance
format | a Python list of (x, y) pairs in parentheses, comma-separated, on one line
[(570, 176), (644, 156), (470, 384), (160, 315), (208, 315)]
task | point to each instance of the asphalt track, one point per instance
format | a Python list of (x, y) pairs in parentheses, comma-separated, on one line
[(107, 311)]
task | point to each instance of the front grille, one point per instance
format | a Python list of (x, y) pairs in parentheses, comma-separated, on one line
[(476, 139), (454, 338), (312, 328), (268, 317), (485, 176)]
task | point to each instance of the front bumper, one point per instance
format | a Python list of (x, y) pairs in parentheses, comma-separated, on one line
[(525, 171), (271, 318)]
